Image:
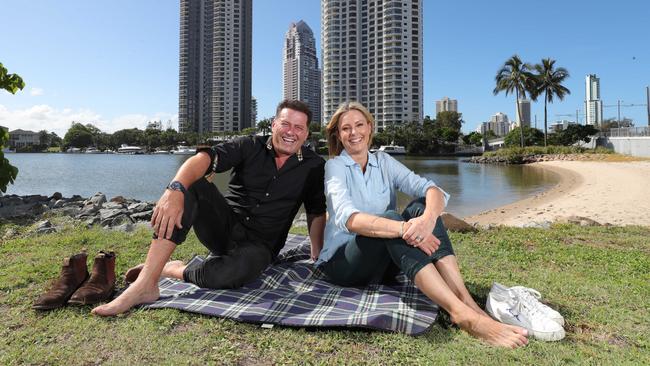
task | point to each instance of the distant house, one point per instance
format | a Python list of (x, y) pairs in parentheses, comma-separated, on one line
[(21, 138)]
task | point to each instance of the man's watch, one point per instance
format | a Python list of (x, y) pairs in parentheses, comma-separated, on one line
[(177, 186)]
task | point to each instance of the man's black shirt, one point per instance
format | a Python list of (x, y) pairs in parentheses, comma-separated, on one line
[(264, 198)]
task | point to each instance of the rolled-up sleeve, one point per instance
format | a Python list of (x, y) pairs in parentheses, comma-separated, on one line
[(405, 180), (339, 201)]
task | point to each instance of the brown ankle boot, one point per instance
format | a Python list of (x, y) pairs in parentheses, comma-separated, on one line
[(101, 284), (73, 273)]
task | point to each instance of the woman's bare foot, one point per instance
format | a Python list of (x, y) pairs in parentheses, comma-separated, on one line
[(493, 332), (138, 293)]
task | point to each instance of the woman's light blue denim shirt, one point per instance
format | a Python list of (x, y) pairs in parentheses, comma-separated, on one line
[(349, 190)]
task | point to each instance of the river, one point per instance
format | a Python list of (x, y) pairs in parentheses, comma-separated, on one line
[(473, 187)]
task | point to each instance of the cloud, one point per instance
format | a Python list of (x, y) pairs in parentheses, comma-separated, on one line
[(44, 117), (34, 92)]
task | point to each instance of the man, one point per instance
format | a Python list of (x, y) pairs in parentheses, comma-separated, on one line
[(245, 230)]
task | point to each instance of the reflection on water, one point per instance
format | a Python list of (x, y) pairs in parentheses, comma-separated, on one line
[(473, 187)]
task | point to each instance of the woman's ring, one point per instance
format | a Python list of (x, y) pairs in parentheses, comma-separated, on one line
[(419, 238)]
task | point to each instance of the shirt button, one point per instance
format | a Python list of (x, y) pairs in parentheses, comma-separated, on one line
[(274, 177), (257, 205), (267, 194), (247, 218)]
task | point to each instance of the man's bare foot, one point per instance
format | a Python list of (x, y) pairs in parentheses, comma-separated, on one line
[(493, 332), (138, 293), (172, 269), (474, 306), (132, 274)]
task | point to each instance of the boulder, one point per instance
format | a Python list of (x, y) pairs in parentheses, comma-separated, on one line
[(121, 220), (56, 196), (142, 216), (88, 210), (98, 199), (140, 207), (45, 227), (112, 205), (453, 223), (118, 199), (107, 213)]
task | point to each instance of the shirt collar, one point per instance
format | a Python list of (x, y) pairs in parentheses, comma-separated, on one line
[(269, 146), (347, 159)]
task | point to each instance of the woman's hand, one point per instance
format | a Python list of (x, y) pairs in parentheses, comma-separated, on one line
[(418, 232)]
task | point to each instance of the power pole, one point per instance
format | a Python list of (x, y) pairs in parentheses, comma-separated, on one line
[(647, 103)]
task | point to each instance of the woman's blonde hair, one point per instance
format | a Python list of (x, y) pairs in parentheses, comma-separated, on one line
[(334, 145)]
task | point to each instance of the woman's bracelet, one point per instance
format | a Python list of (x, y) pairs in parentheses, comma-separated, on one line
[(401, 230)]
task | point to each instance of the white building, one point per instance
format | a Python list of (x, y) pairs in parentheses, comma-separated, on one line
[(446, 105), (372, 53), (524, 107), (593, 104), (301, 75), (499, 124), (23, 138)]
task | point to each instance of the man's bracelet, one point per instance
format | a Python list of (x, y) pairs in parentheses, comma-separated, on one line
[(401, 230)]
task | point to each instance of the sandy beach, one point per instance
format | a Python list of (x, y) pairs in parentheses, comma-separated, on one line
[(617, 193)]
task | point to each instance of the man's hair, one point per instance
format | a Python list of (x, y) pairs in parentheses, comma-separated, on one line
[(296, 105), (334, 145)]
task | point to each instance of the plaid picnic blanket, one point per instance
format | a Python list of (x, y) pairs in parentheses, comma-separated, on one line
[(294, 293)]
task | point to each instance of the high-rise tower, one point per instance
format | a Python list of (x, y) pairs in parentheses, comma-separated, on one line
[(593, 104), (372, 53), (215, 65), (301, 75)]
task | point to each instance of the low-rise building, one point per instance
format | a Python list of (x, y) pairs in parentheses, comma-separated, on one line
[(22, 138)]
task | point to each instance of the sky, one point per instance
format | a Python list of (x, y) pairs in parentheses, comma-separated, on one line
[(115, 63)]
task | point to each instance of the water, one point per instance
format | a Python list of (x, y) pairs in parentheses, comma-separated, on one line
[(473, 187)]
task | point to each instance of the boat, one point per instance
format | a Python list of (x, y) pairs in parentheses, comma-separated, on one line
[(129, 150), (183, 150), (73, 150), (393, 149), (92, 150), (161, 152)]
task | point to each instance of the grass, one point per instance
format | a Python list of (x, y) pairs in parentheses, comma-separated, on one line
[(597, 277)]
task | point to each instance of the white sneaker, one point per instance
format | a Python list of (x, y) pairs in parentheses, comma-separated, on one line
[(515, 311), (531, 297)]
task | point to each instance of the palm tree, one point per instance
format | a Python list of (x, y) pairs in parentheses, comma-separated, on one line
[(515, 76), (549, 81)]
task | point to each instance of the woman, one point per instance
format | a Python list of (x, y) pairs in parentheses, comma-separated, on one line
[(367, 242)]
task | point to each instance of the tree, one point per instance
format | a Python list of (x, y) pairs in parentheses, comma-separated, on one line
[(573, 134), (449, 119), (515, 76), (265, 126), (532, 136), (473, 138), (78, 135), (11, 83), (548, 81)]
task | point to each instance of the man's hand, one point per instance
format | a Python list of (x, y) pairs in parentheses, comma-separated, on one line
[(168, 213), (420, 234)]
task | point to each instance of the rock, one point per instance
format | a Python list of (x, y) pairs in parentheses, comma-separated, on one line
[(139, 207), (10, 233), (88, 210), (300, 221), (126, 227), (45, 227), (56, 196), (453, 223), (107, 213), (59, 203), (578, 220), (11, 200), (121, 220), (91, 221), (97, 200), (38, 209), (118, 199), (112, 205), (142, 216), (34, 198)]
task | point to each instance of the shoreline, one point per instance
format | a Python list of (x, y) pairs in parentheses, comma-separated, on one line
[(606, 192)]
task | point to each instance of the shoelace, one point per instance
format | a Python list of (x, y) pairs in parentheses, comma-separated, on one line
[(530, 297), (527, 309)]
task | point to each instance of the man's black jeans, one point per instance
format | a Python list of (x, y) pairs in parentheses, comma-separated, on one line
[(236, 257)]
